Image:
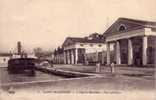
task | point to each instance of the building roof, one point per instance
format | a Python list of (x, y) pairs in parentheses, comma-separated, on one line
[(141, 22), (73, 40), (132, 24), (85, 40)]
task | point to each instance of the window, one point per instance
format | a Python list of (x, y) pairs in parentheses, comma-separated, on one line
[(81, 45), (122, 27), (99, 45)]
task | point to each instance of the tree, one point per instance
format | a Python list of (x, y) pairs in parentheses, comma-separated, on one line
[(55, 52), (38, 52)]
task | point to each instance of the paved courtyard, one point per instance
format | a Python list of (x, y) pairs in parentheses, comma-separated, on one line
[(125, 80), (139, 72)]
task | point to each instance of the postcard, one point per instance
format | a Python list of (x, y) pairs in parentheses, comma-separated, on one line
[(77, 49)]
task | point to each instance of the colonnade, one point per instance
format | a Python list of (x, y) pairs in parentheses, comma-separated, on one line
[(130, 51), (71, 56)]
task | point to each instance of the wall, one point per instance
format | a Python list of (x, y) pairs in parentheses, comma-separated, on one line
[(92, 47)]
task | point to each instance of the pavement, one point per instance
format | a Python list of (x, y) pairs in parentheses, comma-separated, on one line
[(126, 70), (123, 80)]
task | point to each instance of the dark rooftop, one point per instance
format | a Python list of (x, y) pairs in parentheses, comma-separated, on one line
[(86, 40), (140, 22), (93, 38)]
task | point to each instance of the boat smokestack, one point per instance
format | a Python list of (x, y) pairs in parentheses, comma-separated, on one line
[(19, 47)]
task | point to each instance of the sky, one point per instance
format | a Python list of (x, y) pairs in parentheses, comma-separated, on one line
[(46, 23)]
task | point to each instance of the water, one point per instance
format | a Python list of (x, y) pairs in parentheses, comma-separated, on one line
[(5, 77)]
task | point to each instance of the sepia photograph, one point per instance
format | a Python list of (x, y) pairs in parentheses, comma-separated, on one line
[(77, 49)]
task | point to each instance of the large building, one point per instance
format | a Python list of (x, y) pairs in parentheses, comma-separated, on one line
[(134, 42), (125, 42), (76, 48)]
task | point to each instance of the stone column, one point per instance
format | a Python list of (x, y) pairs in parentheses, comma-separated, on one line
[(118, 56), (130, 52), (76, 55), (72, 56), (64, 57), (144, 51), (108, 53)]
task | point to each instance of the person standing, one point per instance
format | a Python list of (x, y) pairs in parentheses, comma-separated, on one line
[(98, 67), (112, 67)]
